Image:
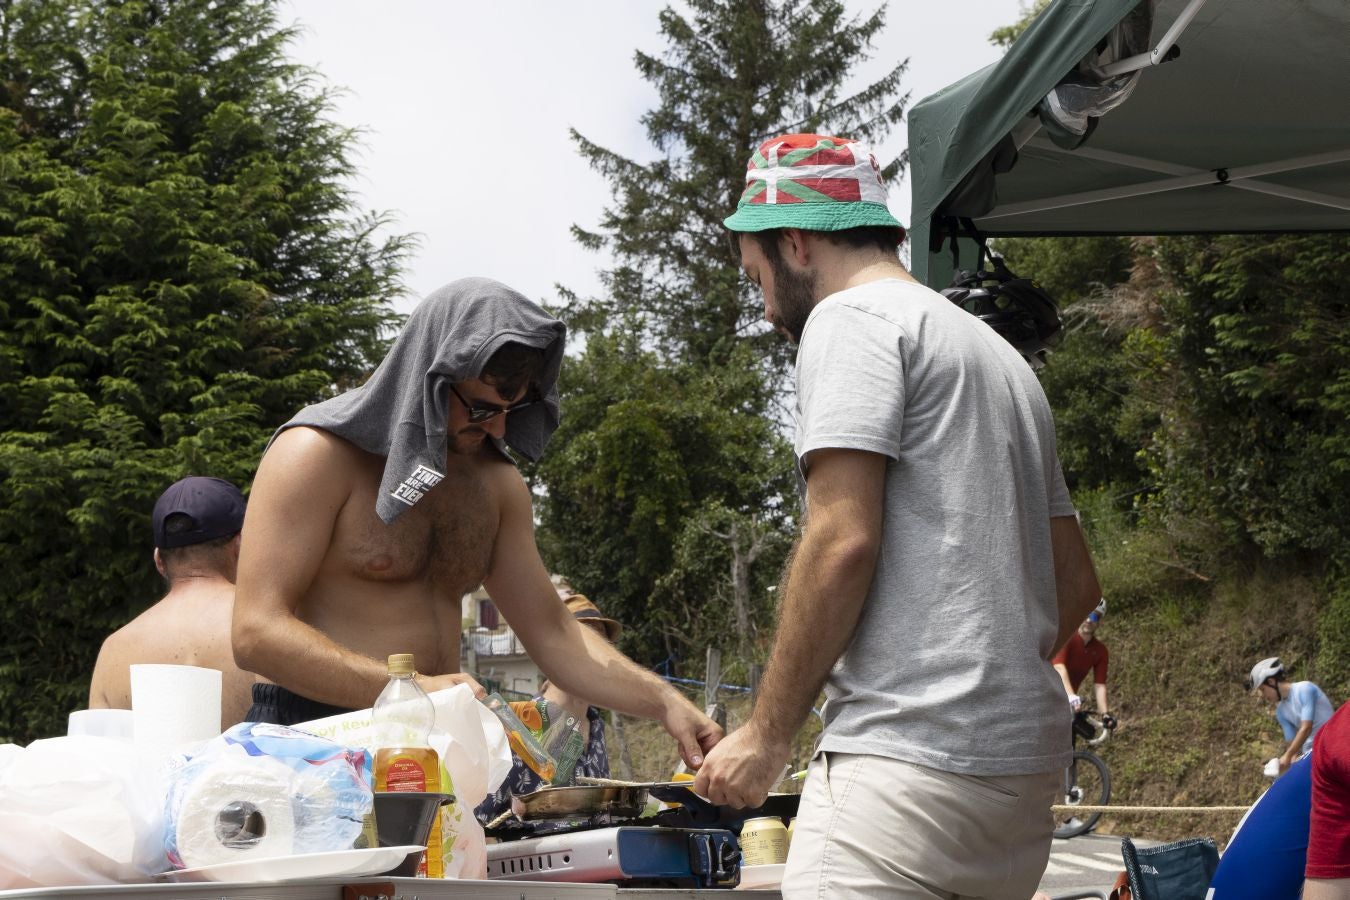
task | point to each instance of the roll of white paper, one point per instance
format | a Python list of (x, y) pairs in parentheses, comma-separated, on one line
[(109, 723), (173, 705), (235, 811)]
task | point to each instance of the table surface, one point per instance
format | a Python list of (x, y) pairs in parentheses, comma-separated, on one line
[(373, 887)]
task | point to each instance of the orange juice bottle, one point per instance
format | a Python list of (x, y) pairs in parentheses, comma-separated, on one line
[(404, 761)]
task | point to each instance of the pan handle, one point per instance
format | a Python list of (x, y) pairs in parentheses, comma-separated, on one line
[(703, 812)]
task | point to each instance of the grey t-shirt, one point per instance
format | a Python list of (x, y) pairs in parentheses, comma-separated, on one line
[(948, 665)]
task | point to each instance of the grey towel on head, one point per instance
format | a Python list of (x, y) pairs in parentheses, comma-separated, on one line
[(402, 411)]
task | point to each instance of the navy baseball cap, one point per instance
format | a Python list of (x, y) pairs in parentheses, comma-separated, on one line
[(215, 507)]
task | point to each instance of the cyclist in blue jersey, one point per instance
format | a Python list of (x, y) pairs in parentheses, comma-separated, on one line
[(1300, 707)]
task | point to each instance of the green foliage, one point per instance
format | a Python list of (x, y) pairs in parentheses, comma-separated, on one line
[(181, 267), (1256, 439), (1089, 378), (1333, 640), (655, 468)]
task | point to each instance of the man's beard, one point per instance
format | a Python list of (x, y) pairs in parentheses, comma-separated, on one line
[(460, 444), (794, 296)]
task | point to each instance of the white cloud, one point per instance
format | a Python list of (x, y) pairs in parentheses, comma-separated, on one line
[(466, 109)]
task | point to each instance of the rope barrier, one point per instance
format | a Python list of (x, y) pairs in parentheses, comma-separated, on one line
[(1064, 807)]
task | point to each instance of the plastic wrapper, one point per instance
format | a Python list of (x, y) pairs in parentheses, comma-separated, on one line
[(81, 810), (260, 791), (522, 740), (1071, 109), (475, 760), (565, 743)]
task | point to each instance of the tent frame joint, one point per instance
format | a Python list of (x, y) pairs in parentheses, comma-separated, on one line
[(1166, 49)]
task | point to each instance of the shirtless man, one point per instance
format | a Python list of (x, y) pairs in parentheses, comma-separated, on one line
[(196, 524), (374, 512)]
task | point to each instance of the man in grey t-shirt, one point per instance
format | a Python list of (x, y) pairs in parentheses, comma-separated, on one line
[(939, 567)]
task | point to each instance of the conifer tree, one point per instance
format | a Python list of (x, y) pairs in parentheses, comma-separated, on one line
[(181, 268)]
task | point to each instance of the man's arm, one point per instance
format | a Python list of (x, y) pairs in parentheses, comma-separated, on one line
[(110, 685), (1102, 708), (1295, 748), (1076, 589), (1326, 889), (824, 589), (301, 486), (569, 654), (1063, 671)]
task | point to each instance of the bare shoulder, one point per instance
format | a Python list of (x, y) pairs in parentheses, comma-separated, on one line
[(305, 446), (310, 464), (505, 481)]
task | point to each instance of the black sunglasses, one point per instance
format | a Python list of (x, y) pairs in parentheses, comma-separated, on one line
[(483, 412)]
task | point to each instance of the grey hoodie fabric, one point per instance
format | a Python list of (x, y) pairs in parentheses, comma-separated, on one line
[(402, 411)]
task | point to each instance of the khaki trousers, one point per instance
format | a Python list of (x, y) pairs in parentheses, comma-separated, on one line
[(873, 827)]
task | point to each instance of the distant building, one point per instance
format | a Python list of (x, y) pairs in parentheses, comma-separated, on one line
[(490, 651)]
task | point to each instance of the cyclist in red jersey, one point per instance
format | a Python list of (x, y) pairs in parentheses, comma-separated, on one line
[(1083, 653)]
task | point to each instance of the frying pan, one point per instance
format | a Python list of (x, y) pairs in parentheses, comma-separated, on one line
[(627, 800), (583, 801)]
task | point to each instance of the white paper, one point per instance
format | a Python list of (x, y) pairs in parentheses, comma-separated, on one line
[(205, 821), (174, 705), (109, 723)]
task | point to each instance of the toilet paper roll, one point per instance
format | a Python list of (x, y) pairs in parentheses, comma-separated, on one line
[(174, 705), (235, 811)]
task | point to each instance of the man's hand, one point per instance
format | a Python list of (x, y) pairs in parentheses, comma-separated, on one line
[(1075, 702), (1109, 722), (741, 769), (431, 683), (693, 731)]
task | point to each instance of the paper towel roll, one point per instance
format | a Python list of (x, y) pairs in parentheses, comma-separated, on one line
[(109, 723), (174, 705), (234, 811)]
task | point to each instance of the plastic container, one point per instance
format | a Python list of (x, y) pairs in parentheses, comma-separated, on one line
[(404, 818), (404, 761)]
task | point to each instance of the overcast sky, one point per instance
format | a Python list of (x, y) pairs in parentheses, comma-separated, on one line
[(466, 109)]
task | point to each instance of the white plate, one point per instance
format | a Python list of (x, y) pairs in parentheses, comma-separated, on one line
[(369, 861), (752, 877)]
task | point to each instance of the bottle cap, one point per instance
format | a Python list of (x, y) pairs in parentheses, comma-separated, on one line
[(401, 664)]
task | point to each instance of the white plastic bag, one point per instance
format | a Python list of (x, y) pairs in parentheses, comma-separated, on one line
[(475, 760), (81, 810)]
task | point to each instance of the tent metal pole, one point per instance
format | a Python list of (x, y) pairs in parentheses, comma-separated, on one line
[(1288, 193), (1195, 178), (1157, 54)]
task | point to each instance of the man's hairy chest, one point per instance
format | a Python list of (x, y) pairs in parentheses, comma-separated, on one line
[(445, 540)]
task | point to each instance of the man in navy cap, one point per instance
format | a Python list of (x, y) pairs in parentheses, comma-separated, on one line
[(196, 525)]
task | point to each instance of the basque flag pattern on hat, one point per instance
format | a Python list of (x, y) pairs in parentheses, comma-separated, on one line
[(814, 182)]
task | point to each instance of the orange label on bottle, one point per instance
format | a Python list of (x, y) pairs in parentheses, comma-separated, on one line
[(405, 774)]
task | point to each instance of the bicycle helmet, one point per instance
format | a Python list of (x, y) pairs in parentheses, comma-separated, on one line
[(1099, 612), (1017, 308), (1265, 669)]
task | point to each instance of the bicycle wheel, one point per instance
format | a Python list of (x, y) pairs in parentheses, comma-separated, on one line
[(1087, 782)]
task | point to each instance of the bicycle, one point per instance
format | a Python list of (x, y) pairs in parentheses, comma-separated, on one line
[(1087, 780)]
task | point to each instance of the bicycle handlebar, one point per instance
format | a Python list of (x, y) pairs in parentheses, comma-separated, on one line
[(1101, 730)]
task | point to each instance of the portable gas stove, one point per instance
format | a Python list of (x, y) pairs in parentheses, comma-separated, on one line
[(632, 855)]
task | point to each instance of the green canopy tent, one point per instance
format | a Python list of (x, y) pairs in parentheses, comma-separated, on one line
[(1238, 120)]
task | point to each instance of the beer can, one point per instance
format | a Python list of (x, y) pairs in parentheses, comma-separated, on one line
[(763, 842)]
